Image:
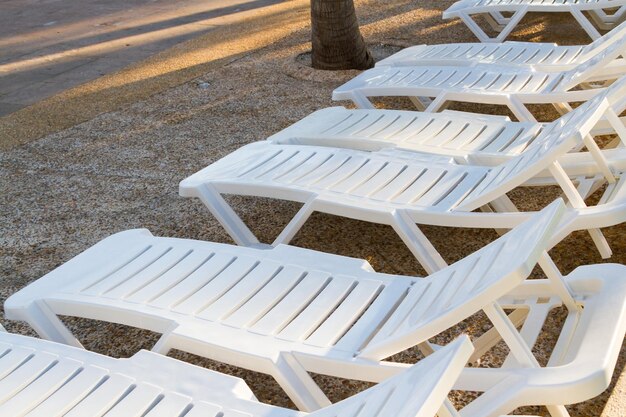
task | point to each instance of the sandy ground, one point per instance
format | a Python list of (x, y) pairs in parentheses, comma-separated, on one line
[(119, 170)]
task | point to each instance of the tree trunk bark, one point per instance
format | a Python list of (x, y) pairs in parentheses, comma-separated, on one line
[(335, 36)]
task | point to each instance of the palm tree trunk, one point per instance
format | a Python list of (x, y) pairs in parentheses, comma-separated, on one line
[(337, 41)]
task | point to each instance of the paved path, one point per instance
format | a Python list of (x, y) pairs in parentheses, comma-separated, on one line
[(47, 46)]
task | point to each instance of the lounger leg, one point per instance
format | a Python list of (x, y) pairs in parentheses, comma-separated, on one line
[(476, 30), (296, 223), (562, 108), (437, 104), (298, 384), (617, 124), (598, 157), (557, 411), (419, 104), (519, 349), (513, 21), (48, 326), (520, 111), (163, 345), (491, 337), (600, 18), (361, 101), (531, 329), (498, 17), (417, 242), (605, 21), (577, 201), (496, 22), (586, 24), (447, 410), (227, 217)]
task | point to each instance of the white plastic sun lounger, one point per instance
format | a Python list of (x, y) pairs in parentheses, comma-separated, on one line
[(485, 84), (464, 137), (286, 311), (539, 56), (457, 136), (394, 187), (493, 12), (41, 378)]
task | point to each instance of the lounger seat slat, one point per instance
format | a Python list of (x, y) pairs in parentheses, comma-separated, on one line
[(11, 359), (237, 268), (456, 194), (205, 409), (448, 189), (366, 125), (25, 372), (421, 132), (236, 292), (295, 161), (171, 405), (136, 402), (73, 391), (365, 172), (43, 386), (318, 310), (332, 167), (398, 184), (148, 290), (426, 180), (104, 397), (267, 297), (194, 281), (507, 141), (449, 131), (350, 309), (271, 165), (151, 263), (377, 313), (290, 307), (379, 181)]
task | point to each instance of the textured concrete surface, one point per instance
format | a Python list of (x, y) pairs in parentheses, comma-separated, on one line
[(616, 405), (120, 169), (48, 46)]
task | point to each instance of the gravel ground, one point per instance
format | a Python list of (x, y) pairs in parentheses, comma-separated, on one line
[(120, 170)]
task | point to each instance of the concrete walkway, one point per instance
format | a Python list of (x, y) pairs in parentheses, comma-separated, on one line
[(48, 46)]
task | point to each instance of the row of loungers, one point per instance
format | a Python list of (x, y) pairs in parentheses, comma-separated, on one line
[(287, 311)]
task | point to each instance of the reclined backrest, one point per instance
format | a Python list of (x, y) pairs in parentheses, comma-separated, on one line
[(616, 35), (583, 71), (556, 140), (459, 290), (418, 392)]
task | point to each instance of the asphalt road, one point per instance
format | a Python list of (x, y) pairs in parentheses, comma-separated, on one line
[(47, 46)]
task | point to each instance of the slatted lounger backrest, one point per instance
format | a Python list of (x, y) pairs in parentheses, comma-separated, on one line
[(458, 291), (583, 71), (556, 140), (417, 392), (615, 36)]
